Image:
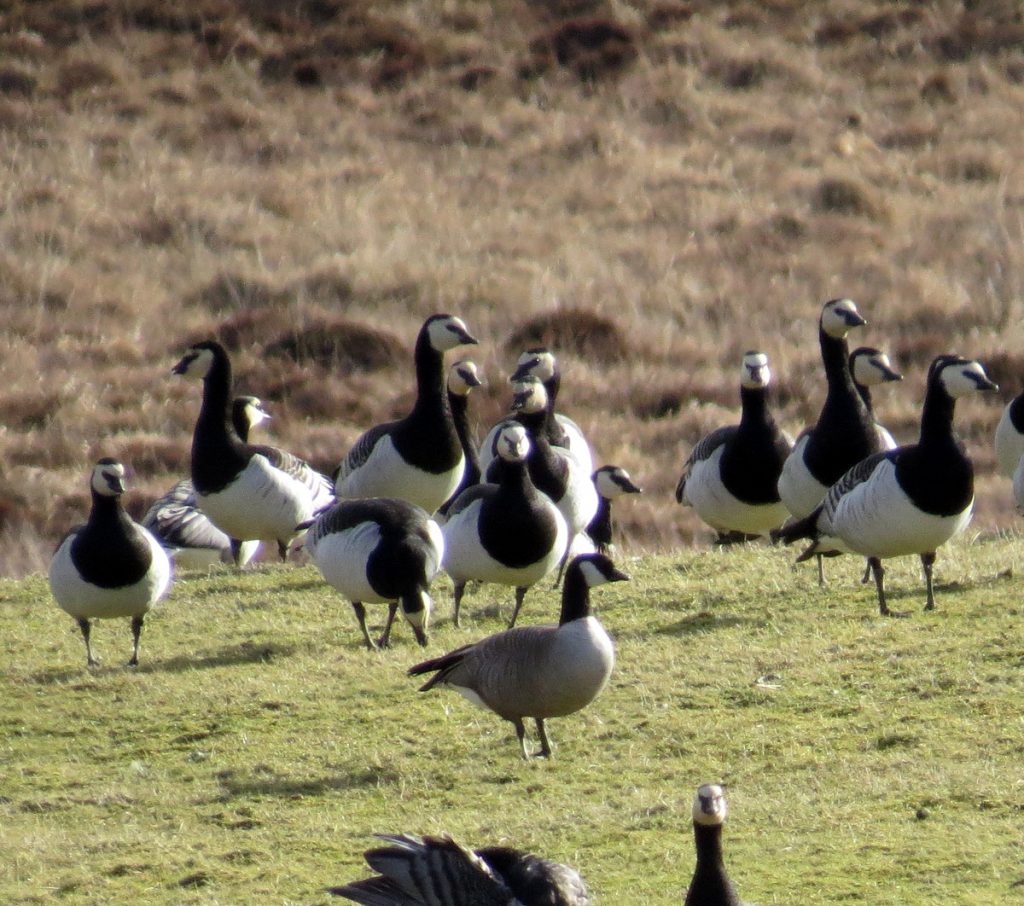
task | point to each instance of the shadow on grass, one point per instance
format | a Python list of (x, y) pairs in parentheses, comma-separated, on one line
[(229, 656), (263, 784), (706, 622)]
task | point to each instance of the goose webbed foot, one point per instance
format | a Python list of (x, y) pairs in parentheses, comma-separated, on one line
[(83, 625), (545, 745), (360, 610), (136, 636), (459, 591), (875, 565)]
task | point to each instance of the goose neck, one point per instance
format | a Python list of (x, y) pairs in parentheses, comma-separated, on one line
[(575, 597), (937, 416)]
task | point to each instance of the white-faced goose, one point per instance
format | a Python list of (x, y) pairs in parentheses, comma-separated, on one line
[(731, 477), (905, 501), (418, 458), (537, 671), (710, 885), (869, 368), (379, 550), (437, 871), (249, 491), (506, 532), (611, 482), (184, 530), (463, 378), (111, 566)]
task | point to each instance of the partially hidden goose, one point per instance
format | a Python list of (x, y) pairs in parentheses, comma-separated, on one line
[(249, 491), (1010, 436), (184, 530), (111, 566), (869, 368), (537, 671), (710, 885), (379, 550), (437, 871), (418, 458), (611, 482), (561, 430), (463, 378), (731, 477), (506, 532), (909, 500)]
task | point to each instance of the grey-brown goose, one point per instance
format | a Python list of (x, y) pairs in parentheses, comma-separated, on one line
[(537, 671)]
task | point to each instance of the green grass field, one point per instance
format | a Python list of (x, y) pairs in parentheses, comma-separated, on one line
[(258, 745)]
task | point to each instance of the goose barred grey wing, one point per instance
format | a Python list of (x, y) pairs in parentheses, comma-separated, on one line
[(360, 451), (177, 522), (705, 447), (853, 476), (319, 485)]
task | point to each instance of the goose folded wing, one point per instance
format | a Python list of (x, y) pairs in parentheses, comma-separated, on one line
[(706, 446), (361, 451), (183, 526), (854, 476), (319, 485)]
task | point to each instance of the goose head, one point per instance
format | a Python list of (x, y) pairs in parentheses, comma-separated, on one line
[(959, 376), (529, 396), (614, 481), (755, 374), (839, 316), (246, 413), (596, 569), (709, 806), (512, 443), (416, 609), (445, 332), (108, 478), (871, 366), (538, 362), (463, 376), (200, 358)]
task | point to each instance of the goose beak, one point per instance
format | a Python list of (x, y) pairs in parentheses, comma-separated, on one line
[(467, 338), (617, 575), (986, 384), (854, 319)]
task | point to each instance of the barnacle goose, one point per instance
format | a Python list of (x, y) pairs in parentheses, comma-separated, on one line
[(437, 871), (908, 500), (379, 550), (506, 532), (418, 458), (561, 430), (611, 482), (111, 566), (249, 491), (537, 671), (184, 531), (463, 378), (870, 367), (1010, 436), (710, 885), (731, 477)]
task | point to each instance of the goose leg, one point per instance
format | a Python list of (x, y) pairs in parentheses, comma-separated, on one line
[(867, 573), (876, 567), (236, 552), (545, 746), (517, 722), (83, 624), (360, 610), (821, 570), (520, 594), (282, 551), (927, 560), (460, 590), (136, 635), (385, 640)]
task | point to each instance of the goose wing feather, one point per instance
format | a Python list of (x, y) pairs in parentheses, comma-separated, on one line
[(318, 485), (361, 450), (705, 447)]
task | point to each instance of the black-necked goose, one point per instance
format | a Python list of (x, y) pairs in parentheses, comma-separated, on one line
[(905, 501), (869, 368), (508, 532), (611, 482), (379, 550), (710, 885), (249, 491), (184, 530), (418, 458), (731, 477), (537, 671), (561, 430), (111, 566), (463, 378), (1009, 436), (437, 871)]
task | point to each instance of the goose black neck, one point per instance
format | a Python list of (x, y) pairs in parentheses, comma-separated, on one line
[(600, 528), (215, 412), (106, 510), (937, 415), (430, 385), (459, 405), (865, 394), (552, 385), (843, 396), (575, 597), (754, 407), (710, 882)]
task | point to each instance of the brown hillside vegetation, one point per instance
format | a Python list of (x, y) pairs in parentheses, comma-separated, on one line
[(653, 187)]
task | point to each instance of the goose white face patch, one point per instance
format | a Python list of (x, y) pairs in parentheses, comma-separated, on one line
[(755, 373), (543, 366), (709, 806), (463, 377), (447, 333), (196, 364), (513, 443), (873, 369), (255, 414), (108, 478), (962, 379), (839, 316), (529, 396)]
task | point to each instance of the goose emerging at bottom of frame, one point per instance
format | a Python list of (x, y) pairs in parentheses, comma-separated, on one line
[(710, 885)]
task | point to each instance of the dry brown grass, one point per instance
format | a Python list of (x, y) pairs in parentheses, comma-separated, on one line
[(652, 186)]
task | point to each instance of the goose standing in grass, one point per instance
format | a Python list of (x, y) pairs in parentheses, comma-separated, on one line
[(711, 885), (184, 531), (418, 458), (1010, 436), (869, 368), (731, 477), (463, 378), (249, 491), (561, 430), (437, 871), (506, 532), (379, 550), (845, 431), (909, 500), (611, 482), (537, 671), (111, 566)]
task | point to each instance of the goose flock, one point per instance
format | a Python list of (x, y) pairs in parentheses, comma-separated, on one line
[(419, 496)]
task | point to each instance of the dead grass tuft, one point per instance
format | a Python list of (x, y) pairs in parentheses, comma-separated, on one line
[(84, 76), (590, 48), (16, 82), (852, 198), (668, 15), (340, 346), (230, 292), (977, 35), (579, 331)]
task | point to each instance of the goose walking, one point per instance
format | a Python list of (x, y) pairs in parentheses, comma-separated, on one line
[(463, 378), (184, 531), (909, 500), (611, 482), (537, 671), (249, 491), (418, 458), (710, 885), (437, 871), (506, 532), (379, 550), (870, 367), (111, 566), (731, 477)]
